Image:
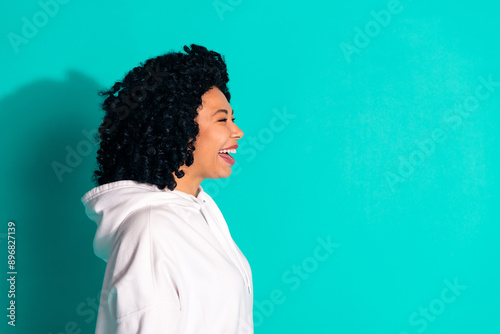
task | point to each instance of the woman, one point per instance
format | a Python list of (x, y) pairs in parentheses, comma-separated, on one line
[(172, 266)]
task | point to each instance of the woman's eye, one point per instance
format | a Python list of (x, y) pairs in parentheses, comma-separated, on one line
[(225, 119)]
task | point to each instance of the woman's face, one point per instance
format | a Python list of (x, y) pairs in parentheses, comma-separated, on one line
[(217, 132)]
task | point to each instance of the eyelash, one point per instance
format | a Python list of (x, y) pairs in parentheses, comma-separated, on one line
[(225, 119)]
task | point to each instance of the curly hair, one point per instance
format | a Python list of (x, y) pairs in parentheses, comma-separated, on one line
[(149, 128)]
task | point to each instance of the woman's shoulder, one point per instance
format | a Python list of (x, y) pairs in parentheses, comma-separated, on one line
[(154, 219)]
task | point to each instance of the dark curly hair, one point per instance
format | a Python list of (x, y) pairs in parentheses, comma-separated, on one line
[(148, 131)]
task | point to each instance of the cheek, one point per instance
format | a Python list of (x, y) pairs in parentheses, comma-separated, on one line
[(206, 149), (210, 140)]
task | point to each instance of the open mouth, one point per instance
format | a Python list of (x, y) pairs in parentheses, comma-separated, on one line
[(224, 154)]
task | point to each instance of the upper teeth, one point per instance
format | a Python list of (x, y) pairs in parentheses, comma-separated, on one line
[(228, 151)]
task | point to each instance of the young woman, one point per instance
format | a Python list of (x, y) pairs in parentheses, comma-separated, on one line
[(172, 265)]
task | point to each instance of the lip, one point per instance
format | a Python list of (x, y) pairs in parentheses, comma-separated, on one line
[(228, 159), (230, 147)]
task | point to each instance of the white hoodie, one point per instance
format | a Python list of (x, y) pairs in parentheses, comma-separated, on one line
[(172, 265)]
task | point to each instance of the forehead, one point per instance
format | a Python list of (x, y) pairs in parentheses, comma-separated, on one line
[(214, 100)]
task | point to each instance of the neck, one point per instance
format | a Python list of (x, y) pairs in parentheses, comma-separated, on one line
[(188, 185)]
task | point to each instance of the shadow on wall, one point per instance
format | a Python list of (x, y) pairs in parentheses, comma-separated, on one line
[(58, 276)]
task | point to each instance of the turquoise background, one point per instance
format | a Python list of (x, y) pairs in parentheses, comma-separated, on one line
[(389, 147)]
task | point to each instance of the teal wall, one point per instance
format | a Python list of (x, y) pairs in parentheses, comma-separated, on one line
[(365, 194)]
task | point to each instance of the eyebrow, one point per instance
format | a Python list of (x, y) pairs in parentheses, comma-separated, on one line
[(222, 110)]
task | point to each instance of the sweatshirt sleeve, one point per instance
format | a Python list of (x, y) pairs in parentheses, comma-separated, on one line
[(134, 304)]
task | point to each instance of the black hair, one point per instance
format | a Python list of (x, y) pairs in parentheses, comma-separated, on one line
[(149, 128)]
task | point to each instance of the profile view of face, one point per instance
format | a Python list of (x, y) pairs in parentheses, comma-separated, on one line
[(217, 131)]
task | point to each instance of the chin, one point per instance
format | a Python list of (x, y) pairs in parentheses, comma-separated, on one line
[(226, 174)]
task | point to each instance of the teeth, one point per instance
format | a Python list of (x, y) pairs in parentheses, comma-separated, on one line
[(228, 151)]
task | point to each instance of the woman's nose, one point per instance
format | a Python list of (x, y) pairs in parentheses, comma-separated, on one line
[(238, 131)]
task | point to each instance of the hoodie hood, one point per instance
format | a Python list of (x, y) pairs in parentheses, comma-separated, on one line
[(109, 204)]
